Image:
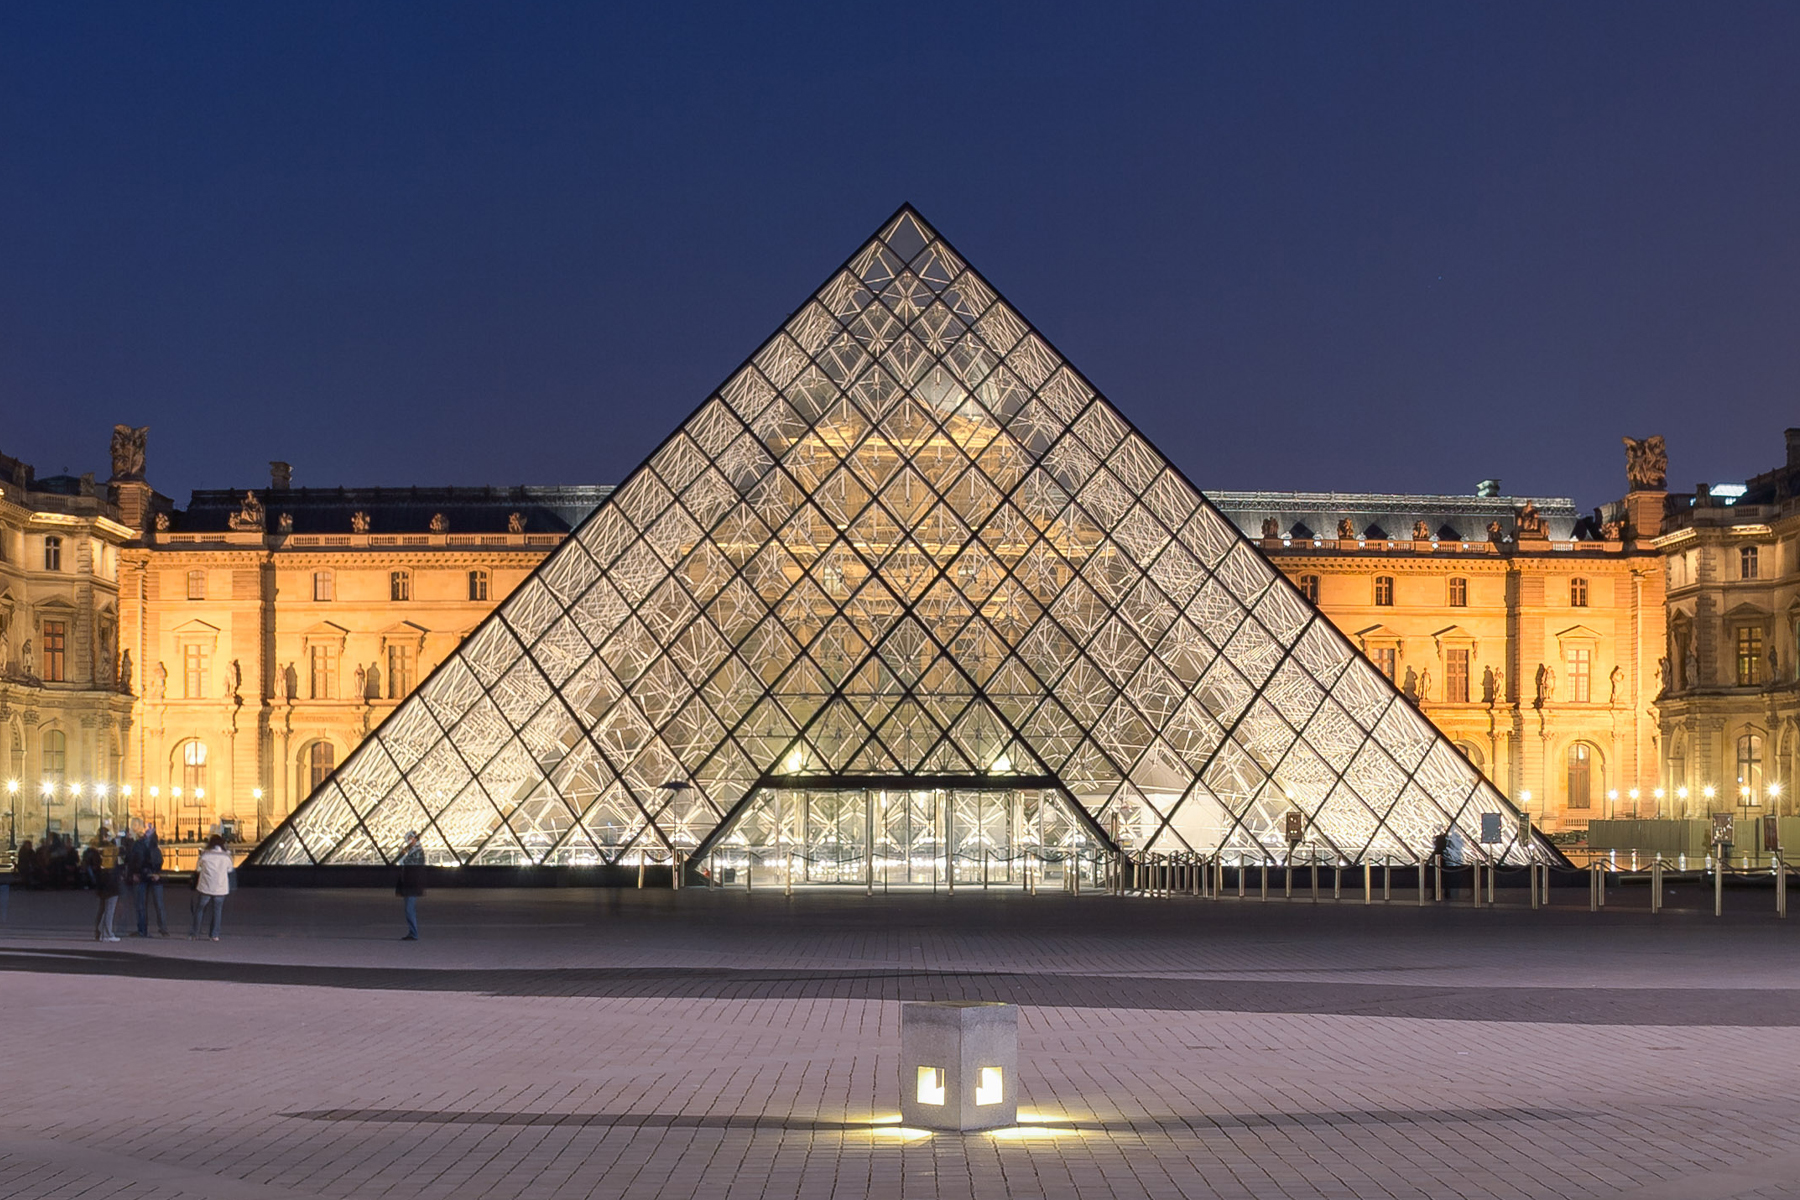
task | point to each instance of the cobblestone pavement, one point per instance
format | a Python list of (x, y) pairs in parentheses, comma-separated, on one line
[(625, 1044)]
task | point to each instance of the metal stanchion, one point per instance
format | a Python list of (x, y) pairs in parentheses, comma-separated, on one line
[(641, 857), (1387, 879), (1475, 891), (1491, 868), (1780, 886), (1531, 881), (1656, 893), (1337, 881), (1368, 881), (1287, 878), (1422, 883), (675, 872), (1437, 878), (1265, 878), (1315, 879), (1240, 877), (1719, 885)]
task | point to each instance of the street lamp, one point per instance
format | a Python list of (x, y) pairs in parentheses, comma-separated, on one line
[(1633, 793), (12, 828), (1612, 797)]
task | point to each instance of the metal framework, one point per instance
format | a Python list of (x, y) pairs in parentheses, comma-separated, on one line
[(906, 549)]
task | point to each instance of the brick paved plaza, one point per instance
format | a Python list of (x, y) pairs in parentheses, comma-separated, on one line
[(638, 1044)]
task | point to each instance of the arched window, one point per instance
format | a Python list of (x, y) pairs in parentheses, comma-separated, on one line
[(1581, 775), (478, 585), (1459, 592), (1309, 587), (1578, 593), (1750, 767), (190, 763), (56, 757), (1384, 589), (1472, 752), (321, 758)]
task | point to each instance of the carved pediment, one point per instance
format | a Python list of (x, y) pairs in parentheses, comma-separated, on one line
[(195, 628), (1746, 611), (1578, 634)]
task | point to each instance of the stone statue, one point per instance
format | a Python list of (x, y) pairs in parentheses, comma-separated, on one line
[(281, 475), (1617, 680), (1690, 676), (290, 682), (1646, 464), (362, 678), (1774, 666), (249, 517), (162, 522), (125, 671), (516, 524), (25, 657), (1662, 676), (1495, 533), (1546, 684), (159, 680), (1487, 686), (359, 522), (285, 522), (128, 451), (1529, 522), (234, 680), (1346, 531), (1421, 532), (439, 523), (1425, 684)]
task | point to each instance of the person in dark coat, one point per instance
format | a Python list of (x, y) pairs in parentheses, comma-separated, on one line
[(412, 883), (145, 875), (103, 865)]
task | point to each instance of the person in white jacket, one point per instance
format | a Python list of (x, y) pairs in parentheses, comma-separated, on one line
[(212, 882)]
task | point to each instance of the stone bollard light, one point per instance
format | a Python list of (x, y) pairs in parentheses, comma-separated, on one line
[(958, 1064)]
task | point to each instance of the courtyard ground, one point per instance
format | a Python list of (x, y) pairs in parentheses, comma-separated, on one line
[(578, 1043)]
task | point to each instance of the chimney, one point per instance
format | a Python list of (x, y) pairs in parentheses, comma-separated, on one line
[(1793, 447), (1488, 487)]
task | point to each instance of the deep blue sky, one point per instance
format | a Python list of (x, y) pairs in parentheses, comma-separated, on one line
[(1379, 246)]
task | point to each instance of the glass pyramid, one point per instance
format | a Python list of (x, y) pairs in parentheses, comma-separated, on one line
[(906, 550)]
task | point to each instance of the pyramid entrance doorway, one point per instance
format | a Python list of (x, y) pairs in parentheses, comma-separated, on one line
[(906, 833)]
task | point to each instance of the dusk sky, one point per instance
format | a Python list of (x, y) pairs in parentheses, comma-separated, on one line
[(1378, 247)]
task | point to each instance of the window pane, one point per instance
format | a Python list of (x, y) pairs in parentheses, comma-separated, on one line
[(1384, 589), (1580, 675), (1580, 776), (1459, 592), (1749, 657), (1456, 676)]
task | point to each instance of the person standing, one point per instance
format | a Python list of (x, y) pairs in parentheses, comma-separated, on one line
[(212, 883), (412, 883), (103, 866), (147, 882)]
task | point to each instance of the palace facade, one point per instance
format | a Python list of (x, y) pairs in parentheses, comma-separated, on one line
[(1730, 718), (1528, 632)]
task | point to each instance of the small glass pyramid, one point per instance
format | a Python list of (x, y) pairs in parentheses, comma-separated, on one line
[(905, 585)]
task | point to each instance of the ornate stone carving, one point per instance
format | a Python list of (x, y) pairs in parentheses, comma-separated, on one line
[(1529, 522), (1495, 533), (1546, 684), (1346, 531), (359, 522), (440, 523), (125, 671), (128, 451), (281, 475), (1421, 532), (285, 522), (234, 681), (516, 524), (249, 516), (158, 681), (1647, 464), (1617, 680), (162, 522)]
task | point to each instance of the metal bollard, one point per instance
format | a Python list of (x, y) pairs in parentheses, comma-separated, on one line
[(1337, 881), (1287, 878), (1656, 892), (1265, 878), (1438, 879), (1475, 891), (1422, 883), (640, 870), (1240, 873), (1531, 882), (1719, 886), (1492, 867), (1780, 887), (1368, 881), (675, 872), (1315, 880), (1387, 882)]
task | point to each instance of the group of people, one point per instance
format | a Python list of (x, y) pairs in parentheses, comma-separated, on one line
[(115, 865)]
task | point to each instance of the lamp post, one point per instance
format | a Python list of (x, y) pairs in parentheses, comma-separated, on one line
[(48, 791), (12, 827)]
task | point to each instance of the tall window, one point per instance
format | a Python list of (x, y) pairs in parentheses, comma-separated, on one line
[(1581, 775), (56, 757), (1749, 656), (1581, 675), (399, 671), (1748, 564), (55, 645), (52, 553), (1749, 767), (1309, 587), (196, 585), (320, 759), (1578, 593), (1384, 589), (193, 672), (193, 771), (321, 585), (478, 585), (1456, 676), (321, 662), (399, 585), (1386, 659), (1459, 592)]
